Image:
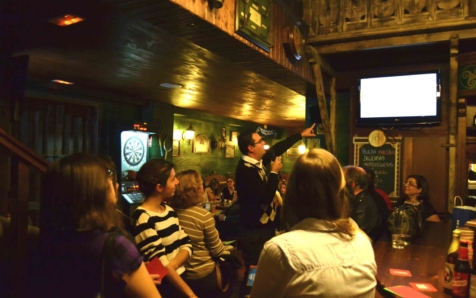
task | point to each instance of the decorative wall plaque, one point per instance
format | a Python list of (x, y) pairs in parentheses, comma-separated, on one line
[(253, 21)]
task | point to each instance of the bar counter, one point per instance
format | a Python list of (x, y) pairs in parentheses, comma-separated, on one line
[(424, 258)]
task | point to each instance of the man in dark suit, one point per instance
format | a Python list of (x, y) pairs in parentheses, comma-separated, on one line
[(256, 190)]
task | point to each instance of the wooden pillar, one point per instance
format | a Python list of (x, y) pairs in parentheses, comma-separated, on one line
[(318, 65), (461, 184), (452, 117), (332, 111)]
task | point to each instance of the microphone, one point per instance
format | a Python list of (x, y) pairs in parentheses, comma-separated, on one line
[(272, 154)]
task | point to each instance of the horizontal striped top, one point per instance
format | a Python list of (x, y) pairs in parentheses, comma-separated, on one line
[(199, 224), (160, 235)]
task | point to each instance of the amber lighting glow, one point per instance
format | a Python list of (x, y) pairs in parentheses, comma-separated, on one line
[(62, 82), (66, 20)]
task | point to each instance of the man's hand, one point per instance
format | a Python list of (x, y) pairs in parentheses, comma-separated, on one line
[(309, 132), (276, 165), (221, 217)]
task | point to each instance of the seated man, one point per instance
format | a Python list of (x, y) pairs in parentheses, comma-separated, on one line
[(228, 222), (362, 206), (382, 206)]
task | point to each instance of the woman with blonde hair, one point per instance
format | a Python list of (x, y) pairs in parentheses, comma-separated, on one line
[(78, 213), (324, 253), (199, 224)]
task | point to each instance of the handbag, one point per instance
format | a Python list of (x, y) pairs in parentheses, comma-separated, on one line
[(107, 255), (461, 214), (226, 267)]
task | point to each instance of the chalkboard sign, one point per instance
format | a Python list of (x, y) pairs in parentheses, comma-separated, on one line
[(384, 160)]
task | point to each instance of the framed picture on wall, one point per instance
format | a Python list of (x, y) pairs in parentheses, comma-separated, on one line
[(176, 148), (313, 143), (234, 136), (229, 151), (292, 153), (201, 144)]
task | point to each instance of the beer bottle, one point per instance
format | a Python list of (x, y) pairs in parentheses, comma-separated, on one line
[(462, 271), (472, 279), (451, 258)]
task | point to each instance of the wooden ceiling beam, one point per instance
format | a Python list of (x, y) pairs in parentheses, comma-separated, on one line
[(388, 42)]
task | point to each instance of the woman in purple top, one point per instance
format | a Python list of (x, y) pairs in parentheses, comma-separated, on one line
[(78, 212)]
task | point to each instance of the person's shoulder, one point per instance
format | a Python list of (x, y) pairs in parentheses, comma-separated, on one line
[(195, 211)]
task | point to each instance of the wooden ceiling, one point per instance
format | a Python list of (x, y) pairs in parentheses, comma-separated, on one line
[(114, 52), (128, 47)]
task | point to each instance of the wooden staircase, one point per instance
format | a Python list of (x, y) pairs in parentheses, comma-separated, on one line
[(25, 166)]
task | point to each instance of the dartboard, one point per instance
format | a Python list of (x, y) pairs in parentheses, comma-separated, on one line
[(133, 151)]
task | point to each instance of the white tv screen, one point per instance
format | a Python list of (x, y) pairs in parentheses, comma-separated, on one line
[(401, 99)]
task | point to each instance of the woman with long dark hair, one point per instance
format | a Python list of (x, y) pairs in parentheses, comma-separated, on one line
[(416, 193), (78, 213)]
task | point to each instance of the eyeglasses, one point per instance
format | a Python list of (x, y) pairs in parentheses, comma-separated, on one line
[(230, 181), (260, 141), (410, 184)]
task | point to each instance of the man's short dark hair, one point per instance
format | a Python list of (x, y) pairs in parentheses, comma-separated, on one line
[(244, 140), (356, 174)]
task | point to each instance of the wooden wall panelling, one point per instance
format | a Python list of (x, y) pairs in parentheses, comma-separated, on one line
[(416, 11), (355, 15), (68, 140), (58, 131), (332, 112), (54, 130), (87, 135), (433, 167), (360, 15), (78, 134), (95, 130), (37, 131), (48, 145), (383, 13), (224, 19), (449, 9)]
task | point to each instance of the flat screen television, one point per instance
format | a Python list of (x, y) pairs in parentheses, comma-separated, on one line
[(409, 99)]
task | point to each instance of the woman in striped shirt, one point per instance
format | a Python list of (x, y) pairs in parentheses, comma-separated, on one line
[(157, 232), (199, 224)]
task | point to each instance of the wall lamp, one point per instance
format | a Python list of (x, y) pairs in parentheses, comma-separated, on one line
[(189, 133), (302, 147)]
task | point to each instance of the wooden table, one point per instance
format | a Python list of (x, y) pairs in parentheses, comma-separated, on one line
[(424, 258)]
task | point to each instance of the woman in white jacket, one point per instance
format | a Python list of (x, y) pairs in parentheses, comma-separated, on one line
[(324, 253)]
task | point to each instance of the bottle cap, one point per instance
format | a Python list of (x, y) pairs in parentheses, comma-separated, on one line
[(466, 233)]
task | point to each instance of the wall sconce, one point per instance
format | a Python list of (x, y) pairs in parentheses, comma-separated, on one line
[(302, 148), (177, 135), (266, 147), (189, 133)]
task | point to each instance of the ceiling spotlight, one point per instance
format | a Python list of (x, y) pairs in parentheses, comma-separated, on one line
[(66, 20), (62, 82), (171, 85)]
